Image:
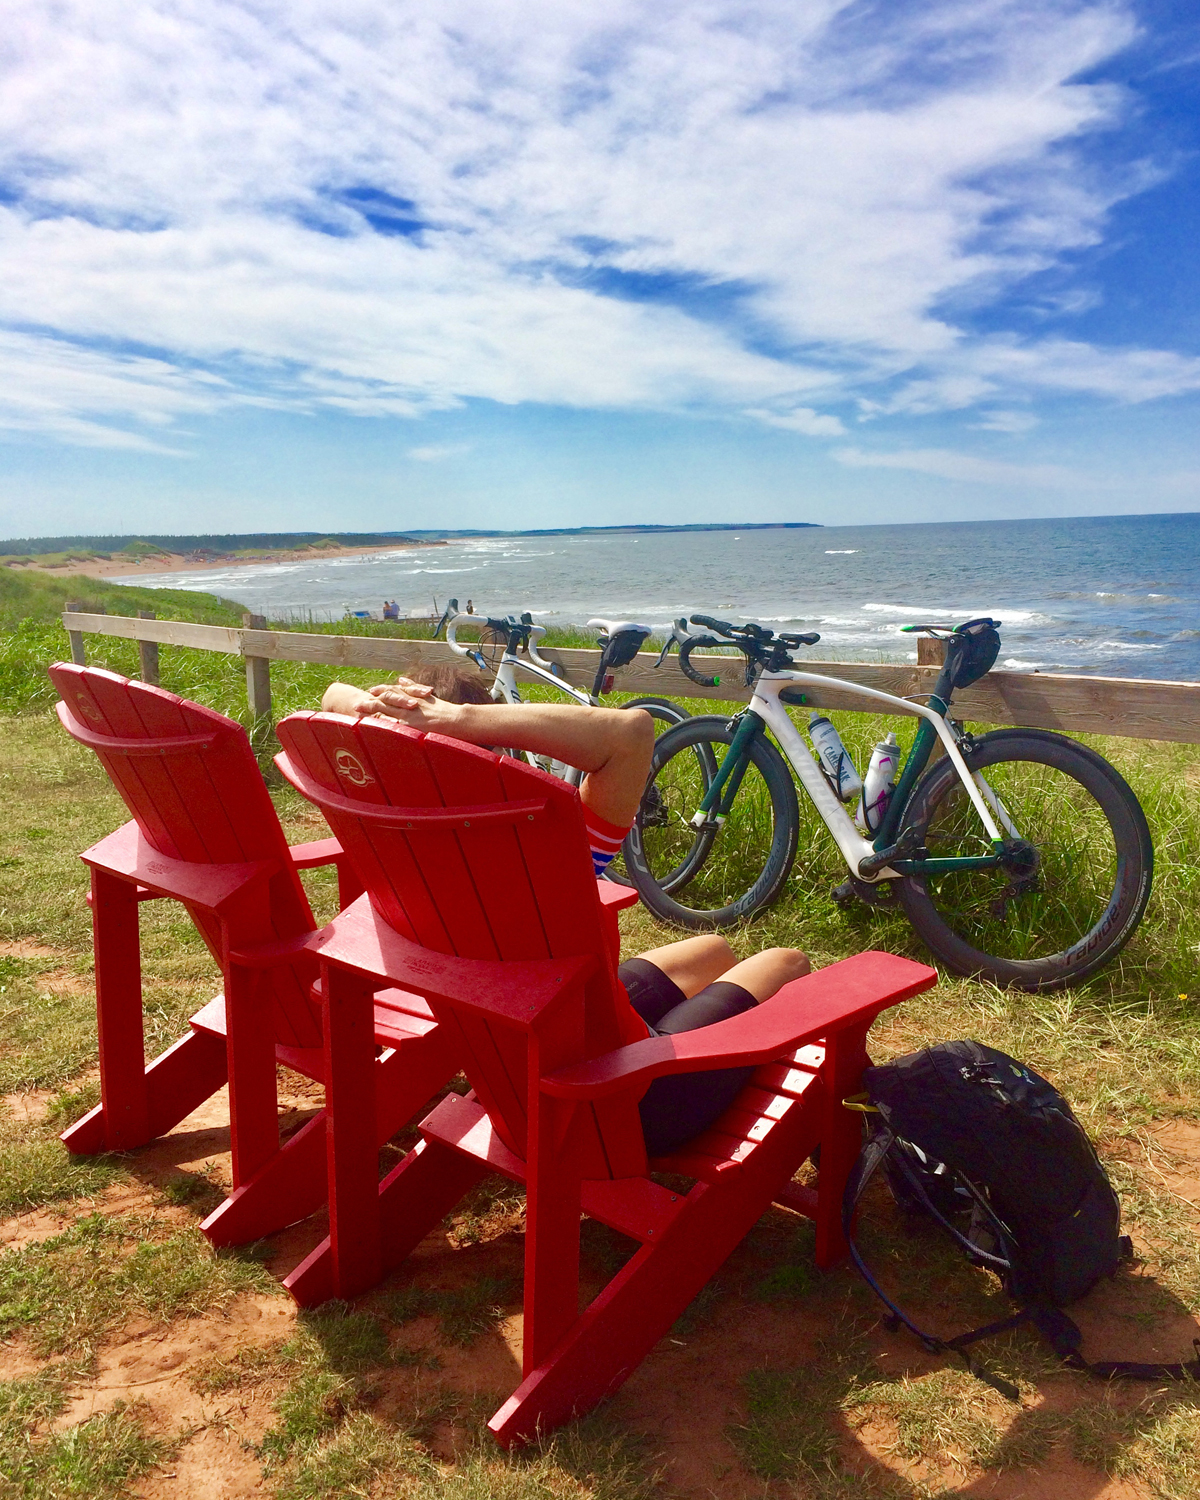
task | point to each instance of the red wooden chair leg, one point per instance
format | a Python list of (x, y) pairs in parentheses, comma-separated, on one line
[(413, 1198), (616, 1332), (350, 1131), (551, 1235), (292, 1184), (611, 1337), (119, 1013), (841, 1139), (182, 1078), (250, 1050)]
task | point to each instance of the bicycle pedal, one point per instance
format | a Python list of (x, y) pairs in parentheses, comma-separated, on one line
[(852, 890), (844, 894)]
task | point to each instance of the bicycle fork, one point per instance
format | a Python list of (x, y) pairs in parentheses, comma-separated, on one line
[(718, 799)]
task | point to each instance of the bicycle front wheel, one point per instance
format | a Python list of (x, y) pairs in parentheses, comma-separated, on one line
[(721, 872), (1075, 896), (665, 715)]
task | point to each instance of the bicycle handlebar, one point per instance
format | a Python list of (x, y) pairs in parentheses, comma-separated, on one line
[(686, 648), (722, 627), (470, 651)]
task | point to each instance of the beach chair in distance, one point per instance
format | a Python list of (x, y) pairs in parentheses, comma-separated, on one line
[(204, 832), (479, 897)]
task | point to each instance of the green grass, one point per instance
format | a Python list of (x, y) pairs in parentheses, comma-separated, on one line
[(355, 1400), (66, 1293), (92, 1461)]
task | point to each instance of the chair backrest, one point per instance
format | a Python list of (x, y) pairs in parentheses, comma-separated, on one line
[(484, 857), (190, 780)]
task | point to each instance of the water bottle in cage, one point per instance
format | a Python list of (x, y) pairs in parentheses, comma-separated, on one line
[(879, 785), (833, 758)]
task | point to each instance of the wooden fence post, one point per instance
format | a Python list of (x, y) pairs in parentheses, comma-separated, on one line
[(78, 654), (930, 651), (258, 674), (148, 651)]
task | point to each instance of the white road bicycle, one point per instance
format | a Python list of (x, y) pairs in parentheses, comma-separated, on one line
[(504, 641), (1019, 855)]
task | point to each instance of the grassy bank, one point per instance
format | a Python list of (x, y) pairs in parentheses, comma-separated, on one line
[(778, 1382)]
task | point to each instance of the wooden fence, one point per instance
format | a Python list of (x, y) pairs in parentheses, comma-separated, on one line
[(1131, 707)]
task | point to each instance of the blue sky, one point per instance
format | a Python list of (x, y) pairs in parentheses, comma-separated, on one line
[(367, 265)]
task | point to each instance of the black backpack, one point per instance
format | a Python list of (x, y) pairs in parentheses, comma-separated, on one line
[(994, 1154)]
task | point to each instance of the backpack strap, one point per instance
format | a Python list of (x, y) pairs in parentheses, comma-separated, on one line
[(1060, 1331), (1063, 1335), (872, 1154)]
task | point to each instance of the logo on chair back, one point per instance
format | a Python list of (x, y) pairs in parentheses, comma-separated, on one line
[(351, 769), (88, 709)]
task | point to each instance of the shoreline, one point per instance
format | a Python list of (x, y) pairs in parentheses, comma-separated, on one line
[(130, 569)]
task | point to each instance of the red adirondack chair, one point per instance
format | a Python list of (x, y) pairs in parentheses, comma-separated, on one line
[(480, 897), (205, 832)]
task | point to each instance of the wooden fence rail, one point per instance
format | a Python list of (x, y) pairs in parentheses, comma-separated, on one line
[(1130, 707)]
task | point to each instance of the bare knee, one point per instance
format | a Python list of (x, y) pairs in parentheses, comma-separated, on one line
[(794, 960), (791, 962), (713, 951)]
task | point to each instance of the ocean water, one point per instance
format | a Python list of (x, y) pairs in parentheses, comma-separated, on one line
[(1118, 596)]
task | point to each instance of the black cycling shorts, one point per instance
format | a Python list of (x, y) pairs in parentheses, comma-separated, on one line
[(676, 1108)]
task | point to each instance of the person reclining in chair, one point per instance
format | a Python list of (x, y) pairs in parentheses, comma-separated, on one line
[(679, 987)]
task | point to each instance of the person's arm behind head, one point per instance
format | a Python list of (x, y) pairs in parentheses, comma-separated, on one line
[(612, 745)]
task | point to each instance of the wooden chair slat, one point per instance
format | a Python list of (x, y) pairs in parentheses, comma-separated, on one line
[(514, 915)]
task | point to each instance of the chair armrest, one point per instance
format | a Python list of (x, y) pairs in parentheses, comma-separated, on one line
[(313, 855), (618, 896), (126, 855), (849, 993)]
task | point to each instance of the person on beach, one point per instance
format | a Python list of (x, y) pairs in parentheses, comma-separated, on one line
[(679, 987)]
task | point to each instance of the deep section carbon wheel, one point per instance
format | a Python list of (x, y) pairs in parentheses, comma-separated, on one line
[(720, 871), (1077, 879)]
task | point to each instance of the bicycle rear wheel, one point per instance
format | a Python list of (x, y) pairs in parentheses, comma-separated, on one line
[(717, 874), (1055, 916)]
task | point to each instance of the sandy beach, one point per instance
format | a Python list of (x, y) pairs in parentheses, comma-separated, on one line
[(177, 562)]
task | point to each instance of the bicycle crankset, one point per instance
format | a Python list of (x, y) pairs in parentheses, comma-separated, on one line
[(882, 894)]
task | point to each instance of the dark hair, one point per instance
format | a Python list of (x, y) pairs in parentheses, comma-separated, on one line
[(450, 683)]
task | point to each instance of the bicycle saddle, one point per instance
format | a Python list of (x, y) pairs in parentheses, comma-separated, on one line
[(618, 627)]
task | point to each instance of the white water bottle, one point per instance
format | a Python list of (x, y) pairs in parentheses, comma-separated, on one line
[(834, 758), (879, 785)]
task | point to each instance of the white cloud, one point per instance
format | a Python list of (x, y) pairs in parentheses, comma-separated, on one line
[(181, 179), (943, 463), (434, 453), (1007, 421), (799, 419)]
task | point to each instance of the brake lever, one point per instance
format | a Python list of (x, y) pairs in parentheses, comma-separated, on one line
[(662, 655)]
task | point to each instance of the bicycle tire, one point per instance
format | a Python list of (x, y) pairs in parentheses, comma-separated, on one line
[(1095, 863), (730, 871), (662, 709), (668, 714)]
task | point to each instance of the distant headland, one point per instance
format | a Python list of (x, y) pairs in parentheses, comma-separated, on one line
[(124, 556)]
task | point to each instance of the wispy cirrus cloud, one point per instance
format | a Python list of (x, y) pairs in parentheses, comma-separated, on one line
[(762, 207), (944, 463), (436, 453)]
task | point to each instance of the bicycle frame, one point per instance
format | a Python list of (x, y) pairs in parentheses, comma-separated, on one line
[(504, 686), (863, 856)]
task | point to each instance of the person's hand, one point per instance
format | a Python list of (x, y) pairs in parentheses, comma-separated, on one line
[(413, 703), (406, 686)]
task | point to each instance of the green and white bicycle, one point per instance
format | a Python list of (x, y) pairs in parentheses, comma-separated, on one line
[(1019, 855)]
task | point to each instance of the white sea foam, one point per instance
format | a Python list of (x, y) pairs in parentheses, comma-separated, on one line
[(839, 551)]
